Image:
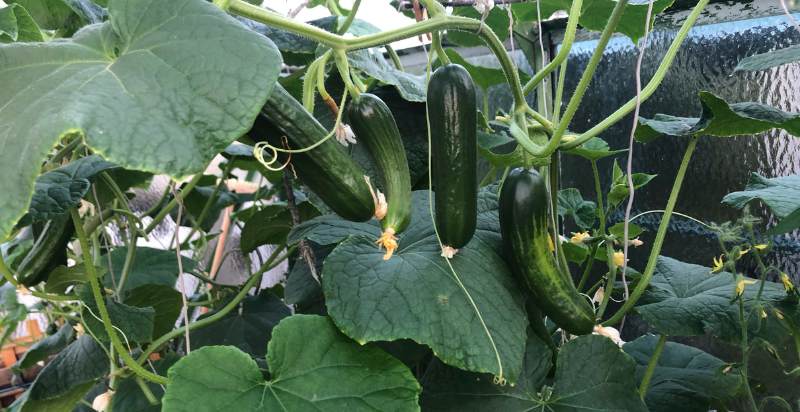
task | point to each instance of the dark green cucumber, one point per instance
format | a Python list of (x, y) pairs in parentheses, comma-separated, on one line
[(327, 169), (374, 126), (49, 250), (452, 119), (523, 225)]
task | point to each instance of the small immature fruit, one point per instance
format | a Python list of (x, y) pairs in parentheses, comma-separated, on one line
[(49, 251), (327, 169), (452, 119), (523, 225), (374, 126)]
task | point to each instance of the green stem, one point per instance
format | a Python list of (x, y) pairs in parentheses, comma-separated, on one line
[(601, 214), (210, 202), (437, 47), (566, 46), (588, 74), (394, 57), (660, 235), (651, 86), (101, 305), (562, 75), (173, 203), (350, 17), (437, 23), (269, 264), (61, 154), (148, 394), (130, 255), (612, 277), (745, 356), (651, 366)]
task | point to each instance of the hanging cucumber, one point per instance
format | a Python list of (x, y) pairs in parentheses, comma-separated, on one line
[(49, 250), (374, 126), (327, 169), (523, 225), (452, 119)]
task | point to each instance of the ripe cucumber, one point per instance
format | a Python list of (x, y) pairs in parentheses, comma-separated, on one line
[(523, 226), (49, 251), (374, 126), (327, 169), (452, 119)]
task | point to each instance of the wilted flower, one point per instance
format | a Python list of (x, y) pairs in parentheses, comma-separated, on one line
[(100, 402), (635, 242), (787, 282), (345, 135), (609, 332), (483, 6), (740, 284)]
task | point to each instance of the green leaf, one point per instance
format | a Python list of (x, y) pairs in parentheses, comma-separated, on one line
[(684, 299), (789, 223), (571, 203), (683, 376), (63, 277), (101, 83), (446, 388), (13, 311), (164, 300), (595, 14), (472, 321), (484, 77), (247, 327), (498, 20), (17, 25), (594, 149), (46, 347), (81, 363), (619, 189), (372, 62), (302, 290), (63, 403), (720, 119), (128, 395), (136, 324), (198, 197), (618, 230), (312, 367), (770, 59), (271, 225), (499, 154), (575, 253), (51, 14), (59, 190), (780, 194), (150, 267), (592, 373)]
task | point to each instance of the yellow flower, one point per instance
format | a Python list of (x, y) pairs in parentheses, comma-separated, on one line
[(740, 284), (719, 264), (761, 247), (778, 314), (787, 282), (619, 258), (763, 314), (743, 252), (579, 237), (550, 244)]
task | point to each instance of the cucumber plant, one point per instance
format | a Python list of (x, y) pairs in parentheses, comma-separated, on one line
[(124, 120)]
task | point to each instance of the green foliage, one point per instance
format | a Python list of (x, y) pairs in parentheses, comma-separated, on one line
[(99, 84), (769, 59), (17, 25), (150, 267), (719, 119), (59, 190), (684, 376), (311, 365), (571, 203)]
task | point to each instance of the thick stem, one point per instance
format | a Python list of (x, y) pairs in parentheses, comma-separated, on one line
[(566, 46), (659, 240), (651, 366), (588, 73), (651, 86), (101, 305), (350, 17)]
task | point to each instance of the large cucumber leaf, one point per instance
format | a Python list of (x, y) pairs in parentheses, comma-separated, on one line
[(473, 320), (312, 367), (160, 87)]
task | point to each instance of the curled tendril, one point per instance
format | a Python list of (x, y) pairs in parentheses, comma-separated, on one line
[(261, 147)]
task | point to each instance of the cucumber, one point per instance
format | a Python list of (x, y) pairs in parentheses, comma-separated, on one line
[(374, 126), (452, 119), (326, 170), (523, 226), (49, 250)]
